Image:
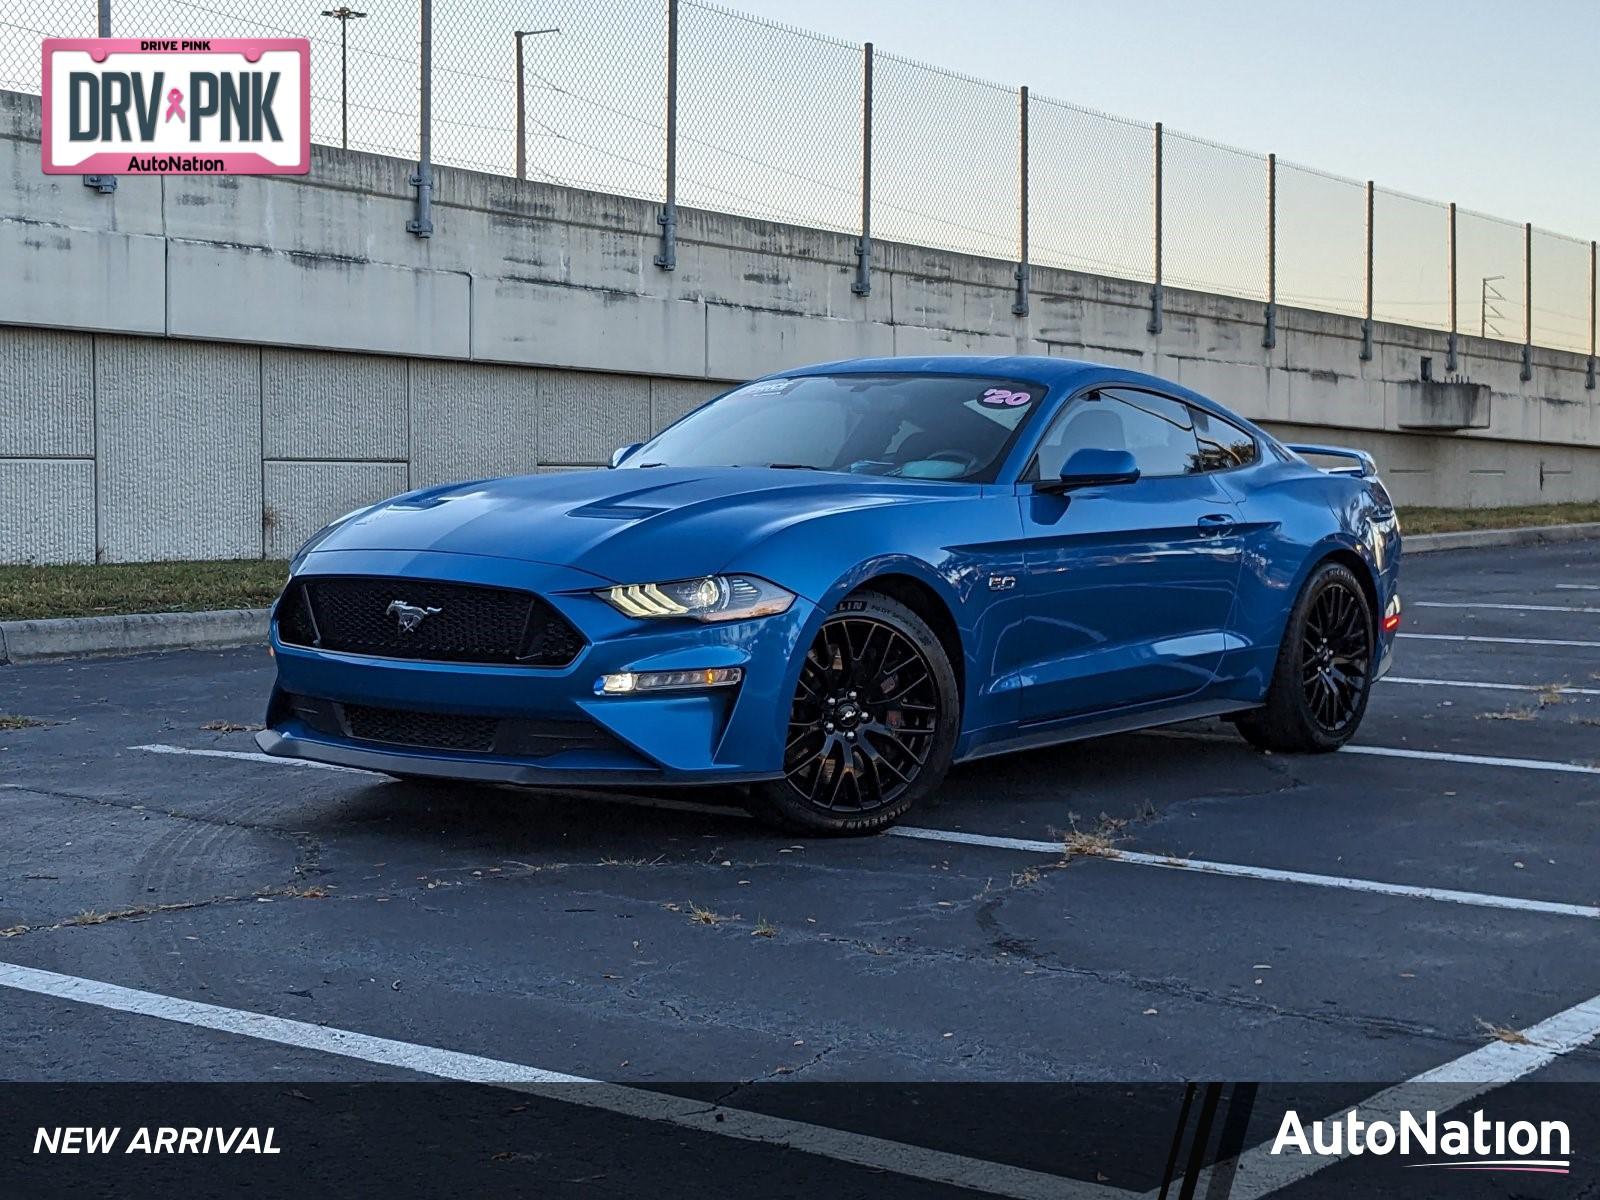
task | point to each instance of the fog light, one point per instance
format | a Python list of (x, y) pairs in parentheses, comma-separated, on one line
[(628, 683)]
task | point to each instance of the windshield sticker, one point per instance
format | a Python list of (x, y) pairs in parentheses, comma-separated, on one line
[(767, 387), (1003, 398)]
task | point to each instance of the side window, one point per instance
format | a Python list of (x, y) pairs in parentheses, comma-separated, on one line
[(1158, 433), (1223, 445), (1088, 421)]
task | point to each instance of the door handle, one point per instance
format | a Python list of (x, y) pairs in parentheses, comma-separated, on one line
[(1214, 524)]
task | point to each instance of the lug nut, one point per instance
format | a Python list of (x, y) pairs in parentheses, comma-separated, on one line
[(828, 726)]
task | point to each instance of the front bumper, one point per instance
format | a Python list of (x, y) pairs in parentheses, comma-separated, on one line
[(478, 769), (718, 735)]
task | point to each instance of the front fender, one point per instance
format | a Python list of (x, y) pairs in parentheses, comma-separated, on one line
[(951, 549)]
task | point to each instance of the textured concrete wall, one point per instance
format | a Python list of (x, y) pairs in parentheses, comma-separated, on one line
[(123, 449), (213, 366)]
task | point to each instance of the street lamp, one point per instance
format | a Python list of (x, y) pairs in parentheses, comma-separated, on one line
[(344, 16), (522, 113)]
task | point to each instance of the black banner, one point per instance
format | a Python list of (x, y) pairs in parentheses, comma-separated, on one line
[(1101, 1141)]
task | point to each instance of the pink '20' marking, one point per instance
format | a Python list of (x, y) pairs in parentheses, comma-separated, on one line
[(1004, 398)]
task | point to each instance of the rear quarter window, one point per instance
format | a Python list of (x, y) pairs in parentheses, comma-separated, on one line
[(1223, 445)]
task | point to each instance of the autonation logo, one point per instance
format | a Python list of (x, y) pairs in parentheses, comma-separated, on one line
[(1478, 1144)]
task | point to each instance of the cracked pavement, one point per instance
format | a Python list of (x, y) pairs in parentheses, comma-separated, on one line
[(558, 929)]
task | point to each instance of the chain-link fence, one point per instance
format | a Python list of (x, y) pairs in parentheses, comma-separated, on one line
[(684, 102)]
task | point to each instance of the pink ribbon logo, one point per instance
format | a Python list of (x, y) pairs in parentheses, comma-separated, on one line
[(175, 105)]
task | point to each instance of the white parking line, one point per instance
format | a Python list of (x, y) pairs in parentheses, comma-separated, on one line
[(1579, 587), (1260, 1172), (878, 1154), (246, 756), (1507, 607), (1500, 641), (1268, 874), (1563, 689), (1475, 760)]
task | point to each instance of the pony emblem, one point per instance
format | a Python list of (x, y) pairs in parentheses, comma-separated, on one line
[(409, 615)]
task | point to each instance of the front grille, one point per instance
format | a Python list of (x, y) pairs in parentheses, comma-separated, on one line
[(436, 731), (512, 737), (449, 622)]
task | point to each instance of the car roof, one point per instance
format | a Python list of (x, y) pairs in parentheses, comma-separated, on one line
[(1054, 373)]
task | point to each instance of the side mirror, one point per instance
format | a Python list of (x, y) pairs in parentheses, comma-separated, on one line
[(1090, 467), (622, 452)]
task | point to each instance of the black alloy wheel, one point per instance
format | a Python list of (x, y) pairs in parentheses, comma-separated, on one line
[(872, 726), (864, 719), (1323, 673), (1336, 657)]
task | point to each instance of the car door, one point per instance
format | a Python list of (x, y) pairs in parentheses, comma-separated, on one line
[(1129, 587)]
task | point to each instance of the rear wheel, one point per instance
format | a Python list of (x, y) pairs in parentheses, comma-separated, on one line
[(1323, 675), (872, 726)]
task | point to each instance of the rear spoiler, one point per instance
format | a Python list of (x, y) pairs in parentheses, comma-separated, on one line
[(1365, 468)]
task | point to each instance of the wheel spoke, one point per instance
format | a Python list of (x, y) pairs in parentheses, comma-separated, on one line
[(906, 687), (880, 762)]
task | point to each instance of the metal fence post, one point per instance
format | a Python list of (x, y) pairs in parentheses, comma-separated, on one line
[(1155, 289), (422, 223), (102, 183), (522, 112), (1451, 345), (1269, 337), (863, 284), (1527, 301), (1594, 253), (1019, 306), (667, 260), (1366, 322)]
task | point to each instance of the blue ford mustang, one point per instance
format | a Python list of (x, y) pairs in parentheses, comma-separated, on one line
[(831, 584)]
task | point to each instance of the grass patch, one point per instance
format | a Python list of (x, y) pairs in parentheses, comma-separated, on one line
[(704, 916), (13, 721), (31, 593), (1422, 519), (1503, 1033)]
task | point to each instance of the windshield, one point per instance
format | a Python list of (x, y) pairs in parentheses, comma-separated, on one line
[(955, 427)]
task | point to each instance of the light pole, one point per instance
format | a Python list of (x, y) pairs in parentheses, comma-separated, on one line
[(522, 107), (344, 16)]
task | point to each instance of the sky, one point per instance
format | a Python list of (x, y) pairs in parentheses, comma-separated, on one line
[(1490, 104)]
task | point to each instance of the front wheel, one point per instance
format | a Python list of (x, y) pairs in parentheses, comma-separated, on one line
[(1323, 675), (872, 727)]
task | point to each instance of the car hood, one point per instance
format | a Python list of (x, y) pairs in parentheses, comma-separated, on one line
[(625, 525)]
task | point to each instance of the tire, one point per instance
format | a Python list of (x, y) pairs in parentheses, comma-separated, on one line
[(862, 744), (1323, 675)]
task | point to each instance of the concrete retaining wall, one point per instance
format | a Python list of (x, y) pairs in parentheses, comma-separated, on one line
[(212, 367)]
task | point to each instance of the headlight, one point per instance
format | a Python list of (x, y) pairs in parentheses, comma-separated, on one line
[(709, 598)]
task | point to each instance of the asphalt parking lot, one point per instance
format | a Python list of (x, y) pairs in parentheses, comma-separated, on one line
[(1155, 907)]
